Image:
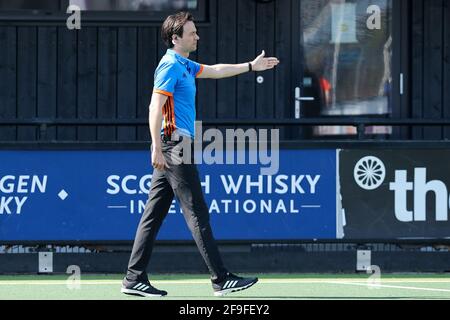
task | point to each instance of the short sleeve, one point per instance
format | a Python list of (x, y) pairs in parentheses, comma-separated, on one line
[(166, 76), (196, 68)]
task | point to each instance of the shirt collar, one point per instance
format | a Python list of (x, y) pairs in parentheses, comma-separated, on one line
[(181, 59)]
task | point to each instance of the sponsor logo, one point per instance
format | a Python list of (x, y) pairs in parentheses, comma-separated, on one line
[(370, 172)]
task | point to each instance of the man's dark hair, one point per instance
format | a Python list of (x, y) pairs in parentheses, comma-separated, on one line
[(174, 25)]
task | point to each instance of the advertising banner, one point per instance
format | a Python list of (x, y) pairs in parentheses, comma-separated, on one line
[(394, 194), (101, 195)]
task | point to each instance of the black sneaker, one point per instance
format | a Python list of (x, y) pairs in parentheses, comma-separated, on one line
[(141, 288), (232, 283)]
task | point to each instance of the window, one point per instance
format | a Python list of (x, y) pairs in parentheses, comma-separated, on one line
[(347, 61), (46, 5), (135, 5), (93, 11)]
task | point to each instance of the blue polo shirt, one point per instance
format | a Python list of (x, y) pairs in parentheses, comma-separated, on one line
[(175, 78)]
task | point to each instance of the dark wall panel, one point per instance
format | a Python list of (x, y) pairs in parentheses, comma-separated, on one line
[(107, 81), (47, 76), (283, 95), (433, 48), (207, 53), (67, 82), (226, 106), (106, 72), (87, 84), (26, 80), (430, 62), (246, 43), (417, 72), (265, 35), (147, 61), (446, 69), (8, 67), (226, 53), (126, 81)]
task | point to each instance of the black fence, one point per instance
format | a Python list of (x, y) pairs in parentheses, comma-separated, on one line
[(42, 125)]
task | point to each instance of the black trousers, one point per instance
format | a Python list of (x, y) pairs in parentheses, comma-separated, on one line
[(181, 180)]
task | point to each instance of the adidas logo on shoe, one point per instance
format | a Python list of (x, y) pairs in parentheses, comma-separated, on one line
[(232, 283), (144, 289)]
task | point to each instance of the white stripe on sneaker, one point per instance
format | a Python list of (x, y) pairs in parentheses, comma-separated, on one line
[(141, 285), (226, 284), (145, 288), (138, 285), (225, 291)]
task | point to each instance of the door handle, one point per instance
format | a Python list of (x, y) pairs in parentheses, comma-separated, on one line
[(298, 99)]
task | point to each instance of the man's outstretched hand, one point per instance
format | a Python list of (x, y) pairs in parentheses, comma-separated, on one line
[(261, 63)]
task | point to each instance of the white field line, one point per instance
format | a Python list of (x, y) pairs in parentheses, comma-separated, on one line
[(206, 281), (375, 286)]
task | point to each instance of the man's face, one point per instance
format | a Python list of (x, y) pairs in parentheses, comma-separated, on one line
[(188, 43)]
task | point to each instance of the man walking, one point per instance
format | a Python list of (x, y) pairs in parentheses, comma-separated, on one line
[(171, 118)]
